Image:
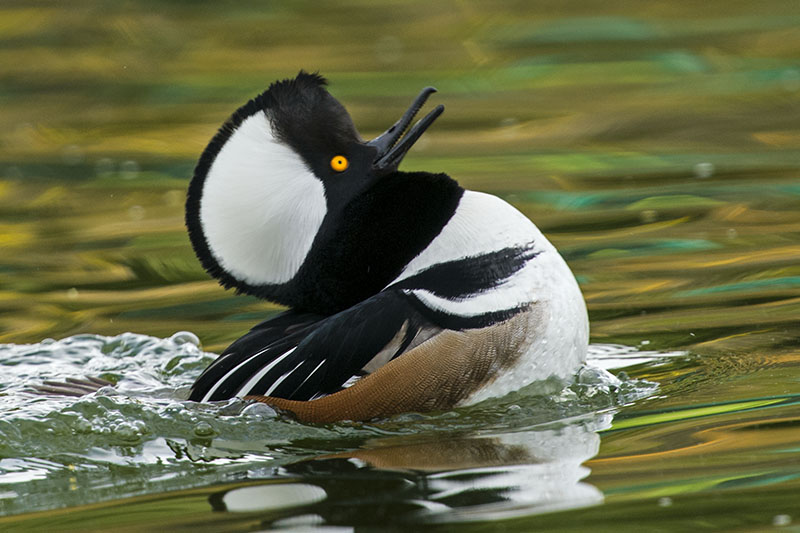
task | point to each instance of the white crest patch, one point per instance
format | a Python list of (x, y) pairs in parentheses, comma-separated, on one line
[(261, 205)]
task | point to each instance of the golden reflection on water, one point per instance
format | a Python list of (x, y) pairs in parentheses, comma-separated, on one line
[(107, 256), (702, 454), (656, 145)]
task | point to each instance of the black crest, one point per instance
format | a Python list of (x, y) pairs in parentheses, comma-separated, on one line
[(305, 115)]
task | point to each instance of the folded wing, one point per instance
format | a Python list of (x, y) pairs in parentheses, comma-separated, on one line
[(299, 356)]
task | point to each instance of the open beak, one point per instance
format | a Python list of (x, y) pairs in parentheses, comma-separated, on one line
[(391, 148)]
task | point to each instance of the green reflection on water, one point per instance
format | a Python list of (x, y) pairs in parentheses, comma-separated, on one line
[(657, 145)]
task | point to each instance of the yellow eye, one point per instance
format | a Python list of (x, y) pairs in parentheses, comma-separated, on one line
[(339, 163)]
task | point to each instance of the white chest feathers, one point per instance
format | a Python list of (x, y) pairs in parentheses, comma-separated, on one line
[(558, 329), (261, 206)]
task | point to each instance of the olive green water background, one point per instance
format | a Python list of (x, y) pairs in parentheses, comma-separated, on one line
[(656, 144)]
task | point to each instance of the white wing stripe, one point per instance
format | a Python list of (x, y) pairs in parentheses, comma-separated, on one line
[(252, 382), (517, 291), (220, 381), (312, 372), (280, 379)]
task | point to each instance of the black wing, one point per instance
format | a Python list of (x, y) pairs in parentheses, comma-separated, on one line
[(300, 356), (269, 338)]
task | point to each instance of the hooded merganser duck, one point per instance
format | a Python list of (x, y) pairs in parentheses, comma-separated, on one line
[(405, 292)]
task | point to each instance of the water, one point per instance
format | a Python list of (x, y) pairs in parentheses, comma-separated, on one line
[(143, 425), (656, 145)]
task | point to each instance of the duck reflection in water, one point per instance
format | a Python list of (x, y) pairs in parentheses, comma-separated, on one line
[(408, 480)]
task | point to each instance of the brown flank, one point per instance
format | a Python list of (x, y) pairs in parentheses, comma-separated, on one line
[(435, 375)]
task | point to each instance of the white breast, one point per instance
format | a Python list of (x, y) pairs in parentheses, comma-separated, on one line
[(559, 329), (482, 223), (261, 206)]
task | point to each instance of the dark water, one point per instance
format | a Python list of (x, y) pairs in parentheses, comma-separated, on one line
[(657, 145)]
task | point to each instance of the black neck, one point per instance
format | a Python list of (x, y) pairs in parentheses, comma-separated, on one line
[(363, 247)]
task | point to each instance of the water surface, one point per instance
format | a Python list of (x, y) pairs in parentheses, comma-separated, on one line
[(656, 145)]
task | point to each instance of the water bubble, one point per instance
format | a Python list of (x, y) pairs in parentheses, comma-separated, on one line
[(104, 167), (781, 520), (596, 376), (259, 410), (185, 337), (664, 502), (204, 429), (233, 407), (127, 432), (648, 215), (174, 198), (129, 170), (173, 408), (704, 170), (72, 293), (136, 212), (81, 425), (72, 154)]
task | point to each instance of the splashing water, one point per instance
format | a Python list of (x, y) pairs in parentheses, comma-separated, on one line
[(141, 436)]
